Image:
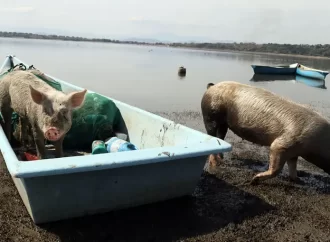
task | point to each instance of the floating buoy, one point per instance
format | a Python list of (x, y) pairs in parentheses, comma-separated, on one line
[(182, 71)]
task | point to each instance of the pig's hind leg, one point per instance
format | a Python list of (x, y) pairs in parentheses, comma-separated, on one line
[(292, 165), (5, 108), (6, 112), (281, 151)]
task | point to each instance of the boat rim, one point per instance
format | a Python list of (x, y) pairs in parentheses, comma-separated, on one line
[(278, 66)]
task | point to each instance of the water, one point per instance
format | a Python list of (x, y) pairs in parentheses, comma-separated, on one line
[(146, 76)]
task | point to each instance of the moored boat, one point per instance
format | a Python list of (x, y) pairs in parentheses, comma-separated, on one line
[(280, 69), (168, 164), (311, 72)]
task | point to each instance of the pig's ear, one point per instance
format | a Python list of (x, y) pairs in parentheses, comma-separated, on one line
[(36, 95), (77, 98)]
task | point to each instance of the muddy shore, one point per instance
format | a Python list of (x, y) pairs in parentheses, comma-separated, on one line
[(219, 210)]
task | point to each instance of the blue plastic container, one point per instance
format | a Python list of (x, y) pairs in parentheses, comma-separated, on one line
[(118, 145)]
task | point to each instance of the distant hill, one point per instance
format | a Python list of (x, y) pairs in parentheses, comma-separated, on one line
[(166, 37), (157, 37), (144, 40)]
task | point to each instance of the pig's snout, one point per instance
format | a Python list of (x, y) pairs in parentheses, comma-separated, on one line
[(53, 134)]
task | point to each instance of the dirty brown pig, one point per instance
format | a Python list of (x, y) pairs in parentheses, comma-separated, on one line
[(264, 118), (47, 110)]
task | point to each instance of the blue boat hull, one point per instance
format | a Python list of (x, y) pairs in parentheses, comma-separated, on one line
[(312, 73), (279, 70)]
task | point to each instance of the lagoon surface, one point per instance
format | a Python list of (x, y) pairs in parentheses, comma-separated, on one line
[(146, 76)]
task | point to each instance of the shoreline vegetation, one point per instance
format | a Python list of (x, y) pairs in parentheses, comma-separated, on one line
[(303, 50)]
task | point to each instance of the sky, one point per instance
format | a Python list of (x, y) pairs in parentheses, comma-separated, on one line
[(261, 21)]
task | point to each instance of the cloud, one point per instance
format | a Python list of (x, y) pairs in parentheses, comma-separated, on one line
[(22, 9), (136, 18)]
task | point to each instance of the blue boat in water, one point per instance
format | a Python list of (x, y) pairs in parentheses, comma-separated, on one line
[(278, 70), (311, 72)]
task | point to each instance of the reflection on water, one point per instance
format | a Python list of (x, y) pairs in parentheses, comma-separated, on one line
[(293, 78), (311, 82), (181, 77), (265, 77)]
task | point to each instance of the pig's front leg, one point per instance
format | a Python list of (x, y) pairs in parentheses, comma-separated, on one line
[(59, 148), (6, 113), (39, 142), (23, 131)]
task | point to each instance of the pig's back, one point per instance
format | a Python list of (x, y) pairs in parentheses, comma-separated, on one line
[(260, 116), (19, 90)]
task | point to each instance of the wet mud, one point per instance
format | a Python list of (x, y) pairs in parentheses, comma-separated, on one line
[(220, 209)]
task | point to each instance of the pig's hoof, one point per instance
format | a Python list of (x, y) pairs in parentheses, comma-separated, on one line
[(212, 161), (245, 183), (215, 160), (295, 180), (42, 157), (254, 181)]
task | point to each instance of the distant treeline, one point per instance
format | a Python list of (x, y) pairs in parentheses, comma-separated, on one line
[(294, 49), (58, 37)]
